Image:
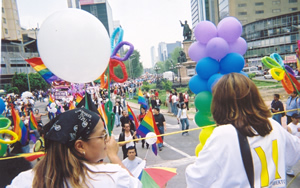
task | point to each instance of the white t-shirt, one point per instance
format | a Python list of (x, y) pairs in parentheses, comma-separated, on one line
[(174, 98), (220, 164), (132, 164), (130, 143), (111, 175), (294, 128), (182, 113)]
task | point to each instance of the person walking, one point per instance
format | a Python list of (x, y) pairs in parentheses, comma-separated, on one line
[(277, 106), (117, 110), (125, 136), (160, 123), (184, 119), (247, 148), (186, 100), (292, 103), (174, 104), (168, 101)]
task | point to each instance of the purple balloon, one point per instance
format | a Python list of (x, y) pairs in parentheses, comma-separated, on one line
[(197, 51), (217, 48), (205, 31), (289, 70), (230, 29), (239, 46)]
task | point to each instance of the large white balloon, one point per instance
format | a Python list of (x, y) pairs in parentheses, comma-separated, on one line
[(74, 45), (149, 140)]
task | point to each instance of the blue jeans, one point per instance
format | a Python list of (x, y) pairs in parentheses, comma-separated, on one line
[(174, 108), (117, 121), (277, 117), (130, 95), (161, 131), (184, 124)]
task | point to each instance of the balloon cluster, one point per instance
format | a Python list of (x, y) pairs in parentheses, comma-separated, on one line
[(281, 72), (217, 51)]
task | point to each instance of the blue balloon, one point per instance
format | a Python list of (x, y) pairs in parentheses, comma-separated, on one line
[(197, 84), (2, 106), (232, 62), (206, 67), (213, 80), (243, 73)]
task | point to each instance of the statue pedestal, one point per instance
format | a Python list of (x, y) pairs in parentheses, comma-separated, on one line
[(188, 68)]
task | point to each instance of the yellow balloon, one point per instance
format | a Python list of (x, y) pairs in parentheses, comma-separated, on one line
[(198, 149), (205, 134), (277, 73), (12, 134)]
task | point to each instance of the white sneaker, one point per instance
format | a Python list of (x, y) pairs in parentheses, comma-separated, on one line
[(290, 173)]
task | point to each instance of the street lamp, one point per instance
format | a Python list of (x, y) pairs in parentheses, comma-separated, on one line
[(156, 68)]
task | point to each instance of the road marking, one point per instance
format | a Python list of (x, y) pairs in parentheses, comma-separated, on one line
[(177, 150), (170, 126)]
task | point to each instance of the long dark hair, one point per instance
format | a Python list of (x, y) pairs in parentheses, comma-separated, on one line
[(236, 101)]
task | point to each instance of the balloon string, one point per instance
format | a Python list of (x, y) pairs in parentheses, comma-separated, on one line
[(147, 153)]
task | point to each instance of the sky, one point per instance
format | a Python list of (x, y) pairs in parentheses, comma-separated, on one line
[(145, 22)]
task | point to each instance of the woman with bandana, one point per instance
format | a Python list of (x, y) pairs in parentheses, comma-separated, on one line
[(76, 143)]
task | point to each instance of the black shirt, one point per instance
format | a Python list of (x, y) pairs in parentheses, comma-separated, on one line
[(277, 105), (159, 119)]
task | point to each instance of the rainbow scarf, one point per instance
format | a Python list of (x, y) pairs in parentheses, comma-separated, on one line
[(132, 116), (38, 65), (141, 99), (148, 125), (32, 126), (19, 127)]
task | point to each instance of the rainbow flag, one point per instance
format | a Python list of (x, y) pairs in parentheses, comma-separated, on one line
[(78, 98), (132, 116), (19, 127), (101, 110), (141, 99), (38, 65), (51, 100), (298, 55), (32, 126), (148, 125), (71, 106)]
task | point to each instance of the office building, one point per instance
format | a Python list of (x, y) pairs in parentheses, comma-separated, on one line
[(204, 10), (171, 47), (100, 9), (74, 4), (162, 51), (250, 11), (277, 34), (153, 56)]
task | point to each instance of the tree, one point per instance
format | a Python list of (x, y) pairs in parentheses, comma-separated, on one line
[(13, 90), (20, 81), (37, 82), (133, 65)]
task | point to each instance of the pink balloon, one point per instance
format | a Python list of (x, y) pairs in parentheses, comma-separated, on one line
[(239, 46), (197, 51), (230, 29), (205, 31), (217, 48)]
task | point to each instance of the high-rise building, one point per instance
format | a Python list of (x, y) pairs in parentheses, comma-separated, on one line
[(253, 10), (153, 57), (171, 47), (204, 10), (102, 10), (74, 4), (162, 51), (11, 29)]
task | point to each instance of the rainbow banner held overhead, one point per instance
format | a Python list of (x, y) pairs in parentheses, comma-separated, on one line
[(132, 117), (32, 126), (148, 125), (78, 98), (38, 65), (19, 127), (142, 100)]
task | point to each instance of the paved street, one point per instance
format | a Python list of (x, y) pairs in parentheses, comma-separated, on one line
[(178, 151)]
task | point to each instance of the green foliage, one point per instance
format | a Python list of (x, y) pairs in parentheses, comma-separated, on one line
[(167, 85), (251, 75), (13, 90), (146, 86), (36, 82), (134, 66)]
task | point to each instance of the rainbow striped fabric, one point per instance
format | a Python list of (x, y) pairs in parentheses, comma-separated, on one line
[(78, 98), (38, 65), (32, 126), (19, 127), (148, 125), (132, 116), (71, 106), (51, 100), (101, 110), (141, 99), (298, 55)]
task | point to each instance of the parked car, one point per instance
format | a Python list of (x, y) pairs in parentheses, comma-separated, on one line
[(268, 76), (249, 70)]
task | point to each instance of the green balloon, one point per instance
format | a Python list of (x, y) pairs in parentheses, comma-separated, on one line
[(204, 119), (203, 102), (3, 148)]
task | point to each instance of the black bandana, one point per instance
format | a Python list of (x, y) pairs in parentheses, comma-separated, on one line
[(71, 125)]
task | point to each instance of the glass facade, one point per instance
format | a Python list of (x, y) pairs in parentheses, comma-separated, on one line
[(272, 35), (223, 9)]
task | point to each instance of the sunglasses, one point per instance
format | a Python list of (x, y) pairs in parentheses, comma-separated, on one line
[(104, 136)]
